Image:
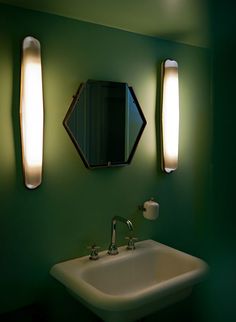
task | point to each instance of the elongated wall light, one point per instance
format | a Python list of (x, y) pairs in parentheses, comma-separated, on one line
[(31, 112), (170, 116)]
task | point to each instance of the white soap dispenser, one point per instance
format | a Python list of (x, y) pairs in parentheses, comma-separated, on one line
[(150, 209)]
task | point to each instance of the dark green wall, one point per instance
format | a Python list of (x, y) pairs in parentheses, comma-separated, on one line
[(73, 206), (222, 219)]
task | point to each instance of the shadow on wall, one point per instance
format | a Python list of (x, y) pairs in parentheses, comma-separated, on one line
[(69, 309)]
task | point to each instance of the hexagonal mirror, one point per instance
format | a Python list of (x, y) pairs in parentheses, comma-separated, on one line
[(105, 123)]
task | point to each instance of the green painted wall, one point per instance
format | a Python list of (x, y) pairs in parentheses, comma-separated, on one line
[(222, 219), (73, 206)]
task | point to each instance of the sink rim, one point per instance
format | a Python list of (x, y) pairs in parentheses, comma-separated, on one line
[(97, 298)]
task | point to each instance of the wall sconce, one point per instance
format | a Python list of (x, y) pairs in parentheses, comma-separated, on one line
[(31, 112), (170, 116)]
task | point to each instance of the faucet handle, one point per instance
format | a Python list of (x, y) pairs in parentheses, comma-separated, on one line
[(131, 242), (94, 252)]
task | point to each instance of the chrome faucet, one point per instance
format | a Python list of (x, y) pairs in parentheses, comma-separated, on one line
[(113, 250)]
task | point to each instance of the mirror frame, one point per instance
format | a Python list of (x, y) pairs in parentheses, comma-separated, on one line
[(75, 100)]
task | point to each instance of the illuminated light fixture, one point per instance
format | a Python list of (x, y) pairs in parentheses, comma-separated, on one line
[(31, 112), (170, 116)]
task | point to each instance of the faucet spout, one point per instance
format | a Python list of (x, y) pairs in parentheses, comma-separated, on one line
[(129, 224), (113, 249)]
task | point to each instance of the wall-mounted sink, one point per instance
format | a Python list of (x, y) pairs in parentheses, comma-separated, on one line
[(131, 284)]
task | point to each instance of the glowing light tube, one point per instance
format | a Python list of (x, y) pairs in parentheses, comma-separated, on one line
[(170, 116), (31, 112)]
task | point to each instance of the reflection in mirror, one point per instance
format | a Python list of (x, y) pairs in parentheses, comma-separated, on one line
[(105, 122)]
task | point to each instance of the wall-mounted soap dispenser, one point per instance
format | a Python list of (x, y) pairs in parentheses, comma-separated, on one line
[(150, 209)]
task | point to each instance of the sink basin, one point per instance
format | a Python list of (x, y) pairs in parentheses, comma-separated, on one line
[(132, 284)]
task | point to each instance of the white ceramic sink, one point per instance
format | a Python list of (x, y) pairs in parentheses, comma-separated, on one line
[(132, 284)]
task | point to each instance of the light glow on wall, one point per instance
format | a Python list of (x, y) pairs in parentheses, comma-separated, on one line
[(31, 112), (170, 116)]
